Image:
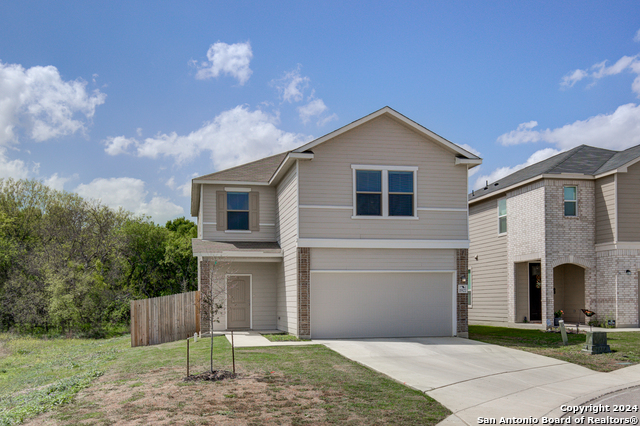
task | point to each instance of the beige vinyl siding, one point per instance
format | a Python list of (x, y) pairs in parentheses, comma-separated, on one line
[(263, 293), (605, 196), (267, 215), (336, 223), (629, 204), (382, 259), (328, 180), (490, 270), (522, 291), (287, 282)]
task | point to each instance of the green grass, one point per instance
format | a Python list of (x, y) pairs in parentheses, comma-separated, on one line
[(283, 338), (625, 346), (37, 374), (44, 375)]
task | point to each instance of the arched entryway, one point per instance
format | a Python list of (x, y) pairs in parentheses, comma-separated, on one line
[(568, 292)]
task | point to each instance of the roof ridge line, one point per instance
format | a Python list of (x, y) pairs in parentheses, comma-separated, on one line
[(578, 148)]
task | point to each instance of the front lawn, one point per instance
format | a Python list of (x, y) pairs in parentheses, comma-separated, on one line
[(283, 337), (625, 346), (277, 385)]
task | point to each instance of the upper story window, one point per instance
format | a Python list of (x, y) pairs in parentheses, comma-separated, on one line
[(238, 211), (384, 191), (570, 200), (369, 192), (502, 216)]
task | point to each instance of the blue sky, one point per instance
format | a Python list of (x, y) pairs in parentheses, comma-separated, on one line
[(127, 101)]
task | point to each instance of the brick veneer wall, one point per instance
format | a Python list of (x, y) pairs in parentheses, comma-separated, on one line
[(569, 239), (525, 235), (612, 267), (304, 280), (462, 266)]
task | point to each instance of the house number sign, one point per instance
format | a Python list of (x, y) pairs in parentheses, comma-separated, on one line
[(462, 288)]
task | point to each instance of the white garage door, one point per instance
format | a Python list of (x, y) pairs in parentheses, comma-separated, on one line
[(374, 304)]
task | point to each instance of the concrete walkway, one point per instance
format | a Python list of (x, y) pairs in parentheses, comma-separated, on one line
[(475, 379), (246, 339)]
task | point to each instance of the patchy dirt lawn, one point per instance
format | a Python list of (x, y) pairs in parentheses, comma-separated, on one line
[(275, 386)]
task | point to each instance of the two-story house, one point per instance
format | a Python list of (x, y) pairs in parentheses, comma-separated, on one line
[(561, 234), (360, 233)]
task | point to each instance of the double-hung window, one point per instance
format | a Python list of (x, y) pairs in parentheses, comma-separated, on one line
[(369, 192), (502, 216), (570, 200), (384, 191), (238, 211)]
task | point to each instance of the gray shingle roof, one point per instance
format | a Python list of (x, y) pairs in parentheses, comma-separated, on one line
[(209, 247), (257, 171), (582, 159)]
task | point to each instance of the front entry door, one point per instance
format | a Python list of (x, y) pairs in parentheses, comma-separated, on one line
[(535, 292), (238, 302)]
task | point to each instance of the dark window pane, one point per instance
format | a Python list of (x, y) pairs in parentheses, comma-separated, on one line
[(400, 181), (400, 204), (503, 225), (502, 207), (238, 220), (368, 204), (569, 208), (369, 180), (237, 201)]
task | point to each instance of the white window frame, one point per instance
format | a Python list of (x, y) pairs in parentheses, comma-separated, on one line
[(506, 216), (385, 190), (564, 201)]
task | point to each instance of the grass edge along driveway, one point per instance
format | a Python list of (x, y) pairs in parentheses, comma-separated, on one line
[(290, 384), (625, 346)]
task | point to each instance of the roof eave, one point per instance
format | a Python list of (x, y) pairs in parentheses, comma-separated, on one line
[(395, 114), (533, 179), (289, 159)]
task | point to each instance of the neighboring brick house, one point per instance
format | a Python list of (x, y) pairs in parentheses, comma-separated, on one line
[(561, 234), (360, 233)]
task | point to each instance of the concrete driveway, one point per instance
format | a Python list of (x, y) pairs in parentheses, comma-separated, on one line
[(475, 379)]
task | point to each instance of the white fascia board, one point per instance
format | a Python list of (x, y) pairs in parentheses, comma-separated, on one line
[(240, 254), (384, 271), (383, 244), (229, 182), (471, 161), (621, 169), (387, 110), (568, 176), (288, 161)]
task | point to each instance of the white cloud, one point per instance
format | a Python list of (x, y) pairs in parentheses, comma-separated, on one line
[(230, 59), (600, 70), (185, 190), (313, 108), (57, 182), (130, 194), (327, 119), (171, 183), (637, 37), (292, 85), (118, 144), (233, 137), (39, 102), (501, 172), (16, 169), (618, 130)]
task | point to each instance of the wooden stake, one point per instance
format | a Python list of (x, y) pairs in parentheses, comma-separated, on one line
[(187, 357), (233, 353)]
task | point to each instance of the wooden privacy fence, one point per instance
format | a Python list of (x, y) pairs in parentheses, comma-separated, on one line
[(165, 319)]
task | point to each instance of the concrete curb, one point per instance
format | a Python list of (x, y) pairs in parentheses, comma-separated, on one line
[(586, 399)]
